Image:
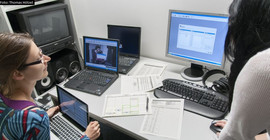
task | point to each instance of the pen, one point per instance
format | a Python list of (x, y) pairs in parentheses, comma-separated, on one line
[(147, 101)]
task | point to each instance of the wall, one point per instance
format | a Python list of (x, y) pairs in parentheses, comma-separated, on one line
[(92, 16)]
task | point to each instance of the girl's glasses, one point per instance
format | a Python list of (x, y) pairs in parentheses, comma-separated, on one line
[(41, 60)]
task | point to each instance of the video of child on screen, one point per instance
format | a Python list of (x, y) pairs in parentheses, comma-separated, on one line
[(101, 55)]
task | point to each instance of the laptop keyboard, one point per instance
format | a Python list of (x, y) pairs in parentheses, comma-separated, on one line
[(94, 77), (126, 61), (63, 130)]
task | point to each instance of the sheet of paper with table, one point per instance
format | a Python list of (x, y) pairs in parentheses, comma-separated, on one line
[(155, 124), (126, 105), (137, 84), (150, 69)]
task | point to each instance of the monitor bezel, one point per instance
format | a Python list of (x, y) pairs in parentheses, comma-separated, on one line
[(186, 59), (25, 26)]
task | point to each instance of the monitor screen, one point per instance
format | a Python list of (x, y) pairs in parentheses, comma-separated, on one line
[(49, 26), (129, 37), (101, 53), (73, 107), (198, 38)]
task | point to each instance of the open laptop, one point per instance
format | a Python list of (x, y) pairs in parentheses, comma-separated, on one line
[(75, 113), (72, 120), (130, 41), (100, 66)]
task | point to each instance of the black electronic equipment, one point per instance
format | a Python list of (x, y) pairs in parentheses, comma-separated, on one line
[(63, 64), (46, 83), (221, 85), (100, 66), (198, 99), (214, 128), (130, 42), (49, 25)]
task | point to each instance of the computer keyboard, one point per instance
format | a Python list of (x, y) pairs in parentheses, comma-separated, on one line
[(63, 130), (94, 77), (198, 99), (126, 61)]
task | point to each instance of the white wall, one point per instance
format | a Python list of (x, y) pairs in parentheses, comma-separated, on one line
[(92, 16)]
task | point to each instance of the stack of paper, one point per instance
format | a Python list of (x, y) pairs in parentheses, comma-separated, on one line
[(155, 124)]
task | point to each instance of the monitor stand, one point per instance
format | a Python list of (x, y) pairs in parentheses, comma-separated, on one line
[(193, 73)]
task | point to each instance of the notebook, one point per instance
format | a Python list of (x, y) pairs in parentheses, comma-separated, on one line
[(100, 66), (130, 41), (72, 120)]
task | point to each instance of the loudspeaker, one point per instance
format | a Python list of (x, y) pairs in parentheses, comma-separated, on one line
[(63, 64), (221, 85), (46, 83)]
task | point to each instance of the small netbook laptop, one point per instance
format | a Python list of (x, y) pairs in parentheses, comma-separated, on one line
[(72, 120), (100, 66), (130, 41)]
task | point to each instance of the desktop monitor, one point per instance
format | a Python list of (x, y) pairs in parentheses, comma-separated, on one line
[(49, 25), (197, 38)]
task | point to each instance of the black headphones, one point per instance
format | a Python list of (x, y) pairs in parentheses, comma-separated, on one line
[(221, 85)]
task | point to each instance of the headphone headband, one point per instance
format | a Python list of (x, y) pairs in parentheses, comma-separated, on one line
[(210, 73)]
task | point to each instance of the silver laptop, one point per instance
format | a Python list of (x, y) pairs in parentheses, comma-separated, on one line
[(72, 120), (130, 41), (100, 66)]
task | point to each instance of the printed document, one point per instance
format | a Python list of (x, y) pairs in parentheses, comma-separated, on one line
[(125, 105), (132, 84), (156, 124), (150, 69)]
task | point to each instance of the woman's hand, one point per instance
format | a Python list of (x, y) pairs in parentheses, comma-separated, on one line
[(52, 111), (220, 123), (93, 130)]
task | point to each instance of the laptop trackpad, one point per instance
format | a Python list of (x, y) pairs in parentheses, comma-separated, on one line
[(92, 88)]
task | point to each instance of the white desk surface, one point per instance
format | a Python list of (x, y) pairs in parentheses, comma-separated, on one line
[(194, 127)]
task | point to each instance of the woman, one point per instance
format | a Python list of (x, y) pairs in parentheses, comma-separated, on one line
[(21, 65), (247, 46)]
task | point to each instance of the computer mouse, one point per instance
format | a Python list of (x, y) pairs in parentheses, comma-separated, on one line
[(214, 128)]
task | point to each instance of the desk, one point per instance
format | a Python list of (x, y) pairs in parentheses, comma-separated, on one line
[(194, 127)]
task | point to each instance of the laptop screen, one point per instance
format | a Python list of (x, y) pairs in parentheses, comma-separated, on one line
[(130, 38), (73, 107), (101, 53)]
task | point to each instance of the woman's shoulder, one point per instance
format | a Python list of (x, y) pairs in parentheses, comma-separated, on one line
[(35, 110), (30, 113), (262, 55), (264, 52), (36, 120), (260, 61)]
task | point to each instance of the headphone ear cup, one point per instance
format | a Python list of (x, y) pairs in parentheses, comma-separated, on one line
[(225, 82), (218, 86), (221, 85)]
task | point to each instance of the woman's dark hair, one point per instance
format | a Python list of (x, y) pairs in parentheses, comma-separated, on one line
[(248, 34), (14, 51)]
